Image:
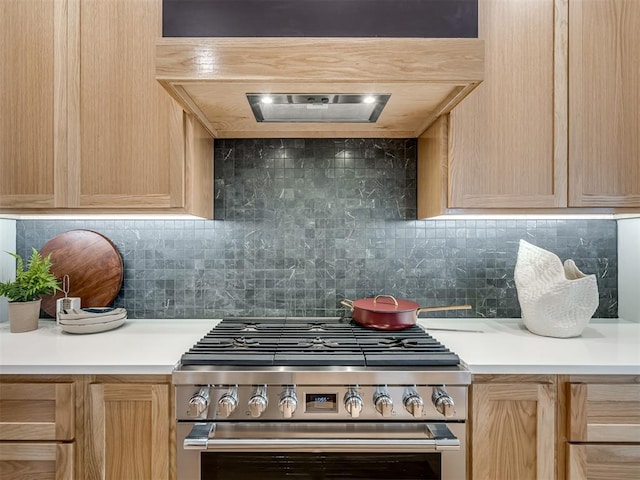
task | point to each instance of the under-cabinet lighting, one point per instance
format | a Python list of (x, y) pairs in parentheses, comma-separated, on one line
[(99, 216), (531, 216)]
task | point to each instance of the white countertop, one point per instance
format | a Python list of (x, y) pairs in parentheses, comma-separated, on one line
[(608, 346), (137, 347)]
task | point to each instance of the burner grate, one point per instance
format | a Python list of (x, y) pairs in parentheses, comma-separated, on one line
[(315, 342)]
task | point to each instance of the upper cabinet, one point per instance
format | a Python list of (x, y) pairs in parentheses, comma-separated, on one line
[(32, 101), (604, 101), (505, 150), (107, 136), (553, 126)]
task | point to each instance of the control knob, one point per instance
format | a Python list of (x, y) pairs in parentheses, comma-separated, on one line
[(383, 403), (443, 402), (199, 402), (413, 403), (258, 401), (228, 402), (288, 402), (353, 403)]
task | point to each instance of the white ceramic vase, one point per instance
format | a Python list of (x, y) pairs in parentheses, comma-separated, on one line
[(556, 300)]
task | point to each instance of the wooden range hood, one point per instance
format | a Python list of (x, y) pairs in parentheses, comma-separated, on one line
[(426, 78)]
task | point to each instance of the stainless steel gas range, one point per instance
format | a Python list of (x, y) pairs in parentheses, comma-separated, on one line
[(319, 398)]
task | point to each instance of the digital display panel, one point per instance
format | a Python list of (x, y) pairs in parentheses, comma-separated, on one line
[(321, 402)]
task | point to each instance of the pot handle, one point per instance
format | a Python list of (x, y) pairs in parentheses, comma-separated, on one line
[(347, 303), (395, 302), (443, 308)]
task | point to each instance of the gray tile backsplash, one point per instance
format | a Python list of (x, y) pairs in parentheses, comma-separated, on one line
[(304, 223)]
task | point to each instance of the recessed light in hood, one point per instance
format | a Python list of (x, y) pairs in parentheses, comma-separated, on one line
[(317, 107)]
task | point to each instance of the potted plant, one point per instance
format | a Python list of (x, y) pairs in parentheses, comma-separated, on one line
[(24, 292)]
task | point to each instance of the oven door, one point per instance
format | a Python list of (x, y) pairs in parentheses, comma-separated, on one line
[(321, 450)]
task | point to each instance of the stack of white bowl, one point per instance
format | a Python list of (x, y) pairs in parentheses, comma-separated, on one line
[(91, 320)]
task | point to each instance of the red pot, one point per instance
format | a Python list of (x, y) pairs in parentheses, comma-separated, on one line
[(385, 312)]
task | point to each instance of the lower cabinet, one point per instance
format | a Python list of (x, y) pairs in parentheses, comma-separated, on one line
[(31, 460), (603, 428), (603, 461), (37, 428), (128, 431), (513, 427), (87, 427)]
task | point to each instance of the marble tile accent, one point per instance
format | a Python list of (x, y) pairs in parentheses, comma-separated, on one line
[(304, 223)]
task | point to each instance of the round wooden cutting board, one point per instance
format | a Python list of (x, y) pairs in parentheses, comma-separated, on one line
[(93, 264)]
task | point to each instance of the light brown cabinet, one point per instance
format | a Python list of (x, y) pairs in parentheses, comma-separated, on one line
[(553, 127), (20, 460), (109, 138), (32, 101), (513, 428), (87, 427), (129, 427), (504, 150), (603, 430), (604, 99), (37, 430)]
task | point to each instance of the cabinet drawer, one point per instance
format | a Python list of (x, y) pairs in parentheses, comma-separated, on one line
[(36, 460), (37, 411), (604, 412), (603, 462)]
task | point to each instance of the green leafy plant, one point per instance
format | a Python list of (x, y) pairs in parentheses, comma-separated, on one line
[(29, 284)]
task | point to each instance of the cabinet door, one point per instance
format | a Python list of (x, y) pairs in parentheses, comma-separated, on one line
[(604, 413), (36, 460), (32, 102), (513, 431), (128, 431), (126, 133), (507, 139), (604, 99), (603, 462), (37, 411)]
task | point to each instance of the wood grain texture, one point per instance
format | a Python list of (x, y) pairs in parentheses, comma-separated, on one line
[(604, 103), (199, 168), (433, 169), (603, 462), (93, 264), (508, 138), (29, 100), (129, 431), (126, 123), (604, 413), (513, 431), (28, 461), (37, 411), (425, 77)]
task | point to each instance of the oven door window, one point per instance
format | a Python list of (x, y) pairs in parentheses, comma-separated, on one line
[(320, 466)]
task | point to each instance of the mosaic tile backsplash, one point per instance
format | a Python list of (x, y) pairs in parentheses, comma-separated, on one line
[(303, 223)]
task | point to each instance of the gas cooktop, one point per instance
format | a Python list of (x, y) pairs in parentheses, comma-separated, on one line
[(315, 341)]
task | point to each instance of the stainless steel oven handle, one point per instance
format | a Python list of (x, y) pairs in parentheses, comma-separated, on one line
[(202, 437), (198, 436)]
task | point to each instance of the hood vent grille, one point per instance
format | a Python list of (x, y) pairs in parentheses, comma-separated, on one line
[(317, 108)]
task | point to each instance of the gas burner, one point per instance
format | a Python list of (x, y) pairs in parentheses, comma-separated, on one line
[(317, 327), (319, 344), (241, 342), (398, 343), (249, 327)]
